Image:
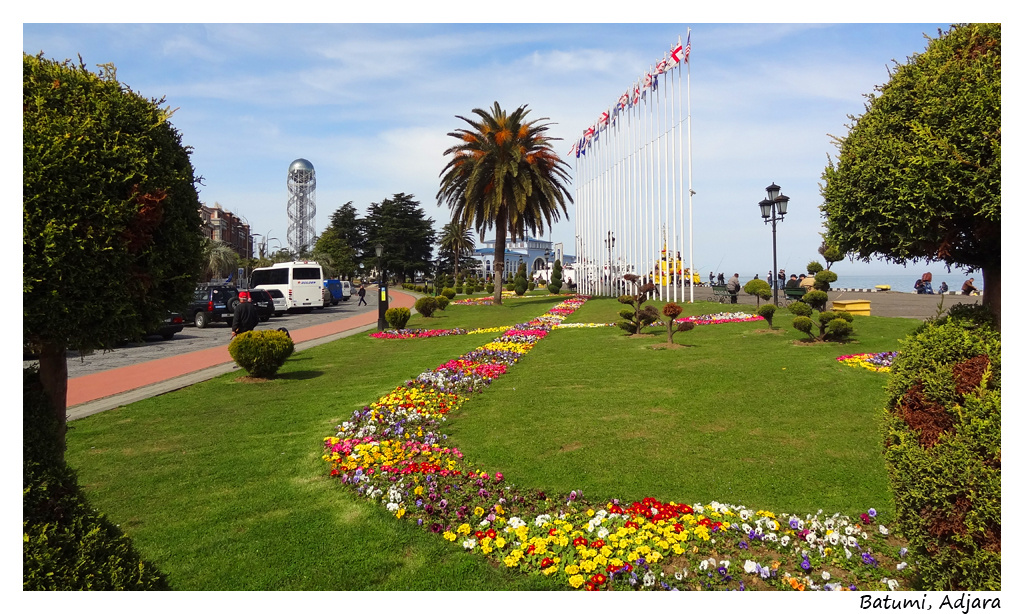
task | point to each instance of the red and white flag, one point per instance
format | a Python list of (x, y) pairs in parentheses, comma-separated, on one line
[(686, 54), (603, 121), (676, 55)]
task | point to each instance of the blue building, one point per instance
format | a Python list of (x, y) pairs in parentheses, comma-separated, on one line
[(538, 255)]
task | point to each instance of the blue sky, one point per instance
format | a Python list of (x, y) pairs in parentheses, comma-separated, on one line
[(370, 105)]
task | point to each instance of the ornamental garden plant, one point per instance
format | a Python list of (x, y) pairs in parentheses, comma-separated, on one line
[(261, 352)]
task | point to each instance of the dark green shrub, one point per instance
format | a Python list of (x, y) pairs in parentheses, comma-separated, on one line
[(489, 288), (510, 286), (426, 306), (261, 352), (942, 439), (459, 288), (814, 267), (397, 317), (448, 293), (555, 286), (470, 289), (804, 325), (837, 329), (639, 316), (67, 544), (442, 302), (531, 286), (824, 279), (800, 308), (767, 312), (816, 299), (758, 288)]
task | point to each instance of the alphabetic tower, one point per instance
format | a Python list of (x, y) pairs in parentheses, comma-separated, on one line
[(301, 206)]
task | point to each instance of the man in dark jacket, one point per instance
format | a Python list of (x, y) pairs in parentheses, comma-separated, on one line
[(246, 316)]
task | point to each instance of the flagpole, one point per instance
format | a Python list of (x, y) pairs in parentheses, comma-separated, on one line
[(689, 156)]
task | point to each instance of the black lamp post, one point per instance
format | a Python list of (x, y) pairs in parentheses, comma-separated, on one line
[(382, 290), (773, 209), (610, 242)]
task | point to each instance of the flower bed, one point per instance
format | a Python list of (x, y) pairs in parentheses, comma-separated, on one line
[(880, 361), (393, 452)]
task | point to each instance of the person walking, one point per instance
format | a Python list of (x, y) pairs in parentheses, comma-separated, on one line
[(245, 317), (733, 286), (362, 295)]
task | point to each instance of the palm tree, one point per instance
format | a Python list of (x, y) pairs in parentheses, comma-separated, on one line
[(219, 260), (503, 174), (456, 238)]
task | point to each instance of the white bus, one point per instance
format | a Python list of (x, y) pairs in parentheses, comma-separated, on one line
[(301, 283)]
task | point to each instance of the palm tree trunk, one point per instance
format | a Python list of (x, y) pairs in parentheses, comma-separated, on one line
[(499, 254), (456, 264)]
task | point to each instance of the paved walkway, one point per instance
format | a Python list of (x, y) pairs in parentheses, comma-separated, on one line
[(90, 394)]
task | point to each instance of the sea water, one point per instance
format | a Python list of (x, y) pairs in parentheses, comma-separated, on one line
[(900, 282)]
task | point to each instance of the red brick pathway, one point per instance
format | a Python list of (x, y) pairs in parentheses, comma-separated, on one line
[(99, 385)]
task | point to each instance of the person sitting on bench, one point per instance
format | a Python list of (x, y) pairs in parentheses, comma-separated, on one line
[(793, 281)]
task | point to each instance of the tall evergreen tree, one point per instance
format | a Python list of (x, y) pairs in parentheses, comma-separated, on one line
[(401, 226)]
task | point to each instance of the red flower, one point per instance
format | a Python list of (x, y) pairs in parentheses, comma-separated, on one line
[(579, 541), (597, 544), (531, 548), (598, 579), (492, 533), (630, 523), (480, 535), (547, 562), (552, 531)]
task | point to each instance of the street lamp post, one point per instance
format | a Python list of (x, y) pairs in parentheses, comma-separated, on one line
[(382, 290), (610, 242), (773, 209)]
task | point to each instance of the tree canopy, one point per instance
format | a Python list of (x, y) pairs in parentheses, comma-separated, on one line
[(918, 175), (401, 226), (503, 174), (111, 215)]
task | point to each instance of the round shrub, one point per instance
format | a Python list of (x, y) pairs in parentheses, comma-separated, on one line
[(942, 439), (824, 279), (838, 329), (448, 293), (520, 286), (799, 308), (261, 352), (397, 317), (459, 288), (803, 324), (814, 267), (489, 288), (816, 299), (470, 289), (426, 306), (758, 288), (531, 286), (767, 312), (442, 302)]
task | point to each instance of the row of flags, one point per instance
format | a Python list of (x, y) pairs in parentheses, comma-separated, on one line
[(677, 55)]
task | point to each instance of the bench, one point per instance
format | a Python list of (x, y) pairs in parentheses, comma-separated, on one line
[(721, 294), (794, 294)]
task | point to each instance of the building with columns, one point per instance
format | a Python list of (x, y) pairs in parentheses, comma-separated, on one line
[(538, 254)]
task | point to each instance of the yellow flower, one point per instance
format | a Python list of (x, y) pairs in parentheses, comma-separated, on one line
[(449, 536), (499, 510), (572, 570), (588, 566), (479, 511), (418, 490), (400, 512), (576, 581), (499, 542), (464, 528)]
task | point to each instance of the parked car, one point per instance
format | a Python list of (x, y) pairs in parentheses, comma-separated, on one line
[(280, 302), (211, 303), (264, 303), (172, 325), (340, 290)]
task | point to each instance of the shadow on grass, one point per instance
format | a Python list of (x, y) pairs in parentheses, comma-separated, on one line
[(299, 375)]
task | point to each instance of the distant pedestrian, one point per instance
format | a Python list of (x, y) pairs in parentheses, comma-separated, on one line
[(245, 317), (362, 295), (943, 288), (968, 287), (721, 279), (733, 286), (919, 286)]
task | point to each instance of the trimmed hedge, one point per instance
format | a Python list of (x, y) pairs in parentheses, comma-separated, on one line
[(942, 440), (426, 306), (261, 352), (397, 317), (67, 544)]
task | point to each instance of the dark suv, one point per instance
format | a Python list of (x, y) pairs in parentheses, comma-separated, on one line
[(213, 303)]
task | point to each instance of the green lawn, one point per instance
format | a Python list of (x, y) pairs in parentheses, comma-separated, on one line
[(222, 484)]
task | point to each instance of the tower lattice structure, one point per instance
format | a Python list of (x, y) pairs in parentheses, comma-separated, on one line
[(301, 205)]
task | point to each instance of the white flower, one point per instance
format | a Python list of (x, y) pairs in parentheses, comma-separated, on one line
[(883, 530), (469, 543), (602, 533), (850, 530), (747, 528), (833, 538), (852, 542), (893, 584), (811, 537), (772, 537), (785, 540), (698, 508), (703, 565), (484, 523), (848, 553), (901, 566), (649, 579), (825, 576), (541, 520), (726, 564), (744, 514), (679, 576), (750, 566), (515, 522), (392, 507)]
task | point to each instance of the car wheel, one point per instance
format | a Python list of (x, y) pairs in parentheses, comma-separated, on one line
[(232, 304), (202, 319), (264, 318)]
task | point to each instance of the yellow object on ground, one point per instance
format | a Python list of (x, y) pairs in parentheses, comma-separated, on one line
[(857, 308), (883, 287)]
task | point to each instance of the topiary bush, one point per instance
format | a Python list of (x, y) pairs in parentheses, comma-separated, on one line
[(767, 312), (397, 317), (67, 544), (816, 299), (261, 352), (459, 288), (837, 330), (804, 325), (814, 267), (800, 308), (942, 444), (555, 285), (448, 293), (758, 288), (426, 306), (442, 302), (638, 316), (823, 280), (672, 311), (531, 286)]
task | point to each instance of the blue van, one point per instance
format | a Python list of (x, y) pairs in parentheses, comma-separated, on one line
[(339, 290)]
